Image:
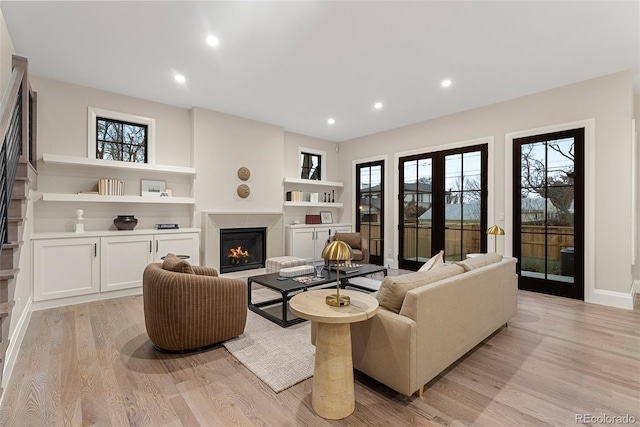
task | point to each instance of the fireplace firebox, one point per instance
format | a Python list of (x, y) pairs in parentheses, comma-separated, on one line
[(242, 249)]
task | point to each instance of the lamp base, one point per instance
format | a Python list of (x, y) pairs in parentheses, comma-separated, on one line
[(338, 300)]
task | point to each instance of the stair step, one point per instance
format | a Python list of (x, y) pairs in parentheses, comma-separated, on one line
[(12, 245), (15, 196), (8, 274), (6, 307), (3, 349), (16, 219)]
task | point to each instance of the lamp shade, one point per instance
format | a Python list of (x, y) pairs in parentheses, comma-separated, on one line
[(495, 230), (337, 251)]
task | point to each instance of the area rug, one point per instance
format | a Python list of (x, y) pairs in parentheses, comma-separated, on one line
[(280, 357)]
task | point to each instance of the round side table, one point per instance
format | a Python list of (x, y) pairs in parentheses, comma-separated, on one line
[(333, 396)]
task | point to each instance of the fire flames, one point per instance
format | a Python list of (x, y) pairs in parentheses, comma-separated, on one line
[(237, 253)]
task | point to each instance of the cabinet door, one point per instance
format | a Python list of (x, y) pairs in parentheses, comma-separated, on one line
[(302, 243), (123, 260), (187, 244), (322, 237), (65, 268)]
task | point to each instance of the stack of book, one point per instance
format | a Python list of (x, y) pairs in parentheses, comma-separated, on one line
[(294, 196), (110, 187)]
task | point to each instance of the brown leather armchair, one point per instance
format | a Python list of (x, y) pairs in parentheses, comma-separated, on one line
[(359, 244), (189, 312)]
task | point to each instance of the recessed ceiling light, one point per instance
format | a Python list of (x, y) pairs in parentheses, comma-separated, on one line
[(180, 78), (446, 83), (213, 41), (377, 105), (331, 121)]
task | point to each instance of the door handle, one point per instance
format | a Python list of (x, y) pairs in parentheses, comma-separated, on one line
[(95, 250), (150, 246), (156, 246)]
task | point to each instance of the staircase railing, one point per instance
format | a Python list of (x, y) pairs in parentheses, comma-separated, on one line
[(14, 131)]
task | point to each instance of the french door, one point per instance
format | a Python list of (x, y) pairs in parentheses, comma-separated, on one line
[(370, 202), (548, 212), (443, 205)]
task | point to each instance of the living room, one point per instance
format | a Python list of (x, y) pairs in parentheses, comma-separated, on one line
[(216, 144)]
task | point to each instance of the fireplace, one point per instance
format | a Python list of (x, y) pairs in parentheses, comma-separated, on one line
[(242, 248)]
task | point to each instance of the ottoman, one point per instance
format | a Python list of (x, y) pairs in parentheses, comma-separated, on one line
[(275, 264)]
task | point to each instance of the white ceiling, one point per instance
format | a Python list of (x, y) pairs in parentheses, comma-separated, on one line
[(295, 64)]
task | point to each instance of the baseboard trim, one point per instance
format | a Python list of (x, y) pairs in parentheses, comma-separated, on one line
[(81, 299), (612, 299), (15, 342)]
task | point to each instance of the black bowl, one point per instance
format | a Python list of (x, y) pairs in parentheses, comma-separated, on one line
[(125, 222)]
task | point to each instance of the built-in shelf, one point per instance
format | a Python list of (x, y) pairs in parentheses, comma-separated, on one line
[(313, 182), (64, 197), (56, 159), (314, 204)]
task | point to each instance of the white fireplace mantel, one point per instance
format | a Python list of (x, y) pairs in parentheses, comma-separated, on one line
[(212, 222)]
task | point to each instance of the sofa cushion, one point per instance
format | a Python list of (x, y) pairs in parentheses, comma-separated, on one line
[(434, 262), (393, 289), (173, 263), (479, 261), (351, 239)]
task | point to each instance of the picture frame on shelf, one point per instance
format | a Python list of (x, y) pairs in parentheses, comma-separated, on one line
[(326, 217), (149, 188)]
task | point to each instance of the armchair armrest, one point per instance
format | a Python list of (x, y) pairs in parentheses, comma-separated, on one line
[(204, 271)]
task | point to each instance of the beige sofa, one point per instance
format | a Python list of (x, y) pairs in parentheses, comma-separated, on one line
[(437, 323)]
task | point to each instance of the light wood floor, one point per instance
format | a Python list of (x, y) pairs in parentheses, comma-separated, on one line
[(92, 364)]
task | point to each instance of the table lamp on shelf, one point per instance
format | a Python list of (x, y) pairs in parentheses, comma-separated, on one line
[(337, 251), (495, 231)]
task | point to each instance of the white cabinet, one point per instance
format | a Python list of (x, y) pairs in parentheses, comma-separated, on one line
[(122, 261), (187, 244), (308, 241), (66, 265), (63, 268), (124, 258)]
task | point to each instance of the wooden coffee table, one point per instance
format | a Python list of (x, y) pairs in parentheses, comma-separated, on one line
[(333, 389), (276, 309)]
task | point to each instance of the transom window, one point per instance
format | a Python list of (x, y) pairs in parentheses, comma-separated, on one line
[(120, 137), (310, 166), (122, 141)]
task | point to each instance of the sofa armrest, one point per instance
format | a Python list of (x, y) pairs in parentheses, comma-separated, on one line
[(384, 347)]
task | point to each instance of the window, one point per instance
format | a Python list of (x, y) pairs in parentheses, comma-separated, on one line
[(310, 166), (123, 141), (120, 137)]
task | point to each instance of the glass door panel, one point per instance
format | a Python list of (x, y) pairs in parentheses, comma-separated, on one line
[(443, 205), (370, 202), (548, 210)]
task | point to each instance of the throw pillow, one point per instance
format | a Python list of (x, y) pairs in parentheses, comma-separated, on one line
[(434, 262), (479, 261), (393, 289), (173, 263)]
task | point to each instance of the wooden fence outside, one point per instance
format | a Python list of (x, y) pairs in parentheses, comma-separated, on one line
[(533, 240)]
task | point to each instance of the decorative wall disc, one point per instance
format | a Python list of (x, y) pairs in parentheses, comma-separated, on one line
[(244, 173), (243, 190)]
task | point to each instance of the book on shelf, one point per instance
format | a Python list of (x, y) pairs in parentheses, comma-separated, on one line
[(294, 196), (167, 226), (110, 187)]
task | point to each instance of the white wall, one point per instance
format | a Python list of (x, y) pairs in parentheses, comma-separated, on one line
[(224, 143), (62, 124), (608, 100), (6, 51)]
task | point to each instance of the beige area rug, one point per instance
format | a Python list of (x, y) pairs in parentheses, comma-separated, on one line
[(280, 357)]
